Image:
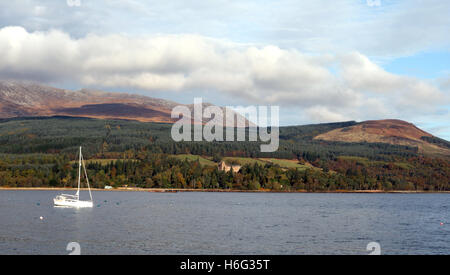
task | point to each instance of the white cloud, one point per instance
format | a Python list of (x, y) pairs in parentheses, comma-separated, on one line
[(356, 89), (383, 29), (360, 74), (324, 114)]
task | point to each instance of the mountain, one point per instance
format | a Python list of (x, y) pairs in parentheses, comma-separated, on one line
[(392, 131), (24, 99)]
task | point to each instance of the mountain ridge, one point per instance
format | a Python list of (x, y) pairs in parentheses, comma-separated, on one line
[(28, 99), (391, 131), (25, 99)]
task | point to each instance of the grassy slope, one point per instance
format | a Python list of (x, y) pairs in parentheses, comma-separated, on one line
[(286, 163), (203, 161), (244, 161)]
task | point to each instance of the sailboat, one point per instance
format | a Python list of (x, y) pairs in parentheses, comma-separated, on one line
[(74, 200)]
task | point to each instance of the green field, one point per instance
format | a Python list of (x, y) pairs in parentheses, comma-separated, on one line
[(203, 161), (243, 161), (285, 163)]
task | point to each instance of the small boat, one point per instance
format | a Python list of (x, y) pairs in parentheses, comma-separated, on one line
[(74, 200)]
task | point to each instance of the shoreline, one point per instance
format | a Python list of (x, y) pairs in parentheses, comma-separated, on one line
[(175, 190)]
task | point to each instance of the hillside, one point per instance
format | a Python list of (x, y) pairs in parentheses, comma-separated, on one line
[(391, 131), (24, 99), (56, 134), (38, 152)]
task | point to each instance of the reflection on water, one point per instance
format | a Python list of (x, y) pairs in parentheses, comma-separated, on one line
[(226, 223)]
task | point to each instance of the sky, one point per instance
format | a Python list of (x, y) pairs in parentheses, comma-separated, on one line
[(319, 60)]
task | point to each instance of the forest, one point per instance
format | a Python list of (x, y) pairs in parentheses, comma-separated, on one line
[(40, 152)]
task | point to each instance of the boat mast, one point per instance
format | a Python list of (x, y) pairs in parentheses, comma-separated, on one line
[(87, 179), (79, 175)]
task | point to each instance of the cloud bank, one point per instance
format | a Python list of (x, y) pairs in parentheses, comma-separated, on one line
[(382, 29), (327, 87)]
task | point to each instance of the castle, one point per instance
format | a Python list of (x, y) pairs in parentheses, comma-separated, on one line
[(225, 167)]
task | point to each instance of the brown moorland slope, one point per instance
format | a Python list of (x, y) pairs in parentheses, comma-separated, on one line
[(26, 99), (19, 99), (390, 131)]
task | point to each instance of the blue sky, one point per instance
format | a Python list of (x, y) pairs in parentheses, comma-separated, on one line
[(429, 65), (319, 60)]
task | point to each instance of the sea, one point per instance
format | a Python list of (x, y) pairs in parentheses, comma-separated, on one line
[(229, 223)]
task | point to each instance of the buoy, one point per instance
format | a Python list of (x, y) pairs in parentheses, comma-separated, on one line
[(442, 223)]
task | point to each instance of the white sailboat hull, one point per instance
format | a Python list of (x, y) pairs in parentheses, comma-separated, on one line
[(73, 203), (74, 200)]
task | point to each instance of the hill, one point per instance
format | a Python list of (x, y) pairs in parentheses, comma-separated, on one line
[(38, 152), (391, 131), (64, 134), (25, 99)]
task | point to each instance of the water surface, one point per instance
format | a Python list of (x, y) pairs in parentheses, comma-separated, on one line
[(226, 223)]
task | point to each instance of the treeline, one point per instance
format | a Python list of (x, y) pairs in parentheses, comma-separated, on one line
[(438, 141), (150, 170)]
